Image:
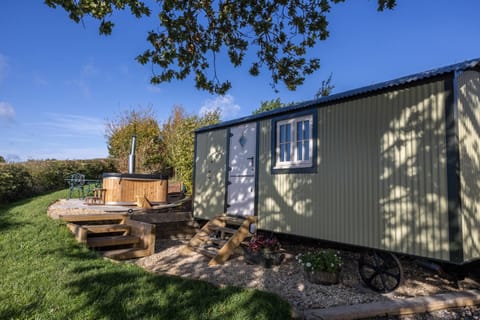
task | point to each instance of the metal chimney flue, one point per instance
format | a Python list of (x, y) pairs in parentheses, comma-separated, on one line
[(131, 157)]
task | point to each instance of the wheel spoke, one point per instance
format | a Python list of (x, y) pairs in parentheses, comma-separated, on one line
[(369, 279), (368, 265), (384, 282), (392, 275)]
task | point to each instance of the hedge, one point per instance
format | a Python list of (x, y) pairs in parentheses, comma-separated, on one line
[(26, 179)]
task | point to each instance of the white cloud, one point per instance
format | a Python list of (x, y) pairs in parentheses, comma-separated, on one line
[(226, 104), (9, 157), (3, 67), (7, 113), (124, 69), (65, 153), (82, 86), (39, 81), (82, 82), (154, 89), (76, 124), (89, 69)]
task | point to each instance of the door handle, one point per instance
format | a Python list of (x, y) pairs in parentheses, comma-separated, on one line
[(251, 161)]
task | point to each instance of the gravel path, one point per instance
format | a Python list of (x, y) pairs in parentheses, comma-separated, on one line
[(287, 279)]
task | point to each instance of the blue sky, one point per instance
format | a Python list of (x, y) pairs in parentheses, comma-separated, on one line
[(61, 81)]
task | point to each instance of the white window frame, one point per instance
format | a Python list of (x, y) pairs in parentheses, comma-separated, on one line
[(294, 162)]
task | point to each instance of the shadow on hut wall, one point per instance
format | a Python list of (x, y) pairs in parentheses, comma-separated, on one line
[(469, 132), (210, 164), (381, 175)]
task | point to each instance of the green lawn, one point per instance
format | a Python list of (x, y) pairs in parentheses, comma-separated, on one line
[(46, 274)]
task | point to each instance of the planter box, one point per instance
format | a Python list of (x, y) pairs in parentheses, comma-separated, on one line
[(321, 277)]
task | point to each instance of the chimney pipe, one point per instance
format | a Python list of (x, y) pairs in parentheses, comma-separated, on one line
[(131, 157)]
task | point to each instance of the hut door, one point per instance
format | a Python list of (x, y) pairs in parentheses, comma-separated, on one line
[(241, 171)]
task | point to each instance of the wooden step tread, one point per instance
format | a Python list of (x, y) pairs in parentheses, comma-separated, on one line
[(233, 220), (205, 252), (222, 229), (112, 241), (216, 241), (105, 228)]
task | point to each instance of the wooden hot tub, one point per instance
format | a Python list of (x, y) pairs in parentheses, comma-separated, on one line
[(122, 188)]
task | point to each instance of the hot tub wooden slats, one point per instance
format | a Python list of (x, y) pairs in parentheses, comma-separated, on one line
[(124, 190)]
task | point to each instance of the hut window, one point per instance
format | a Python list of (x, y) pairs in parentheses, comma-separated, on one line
[(294, 143)]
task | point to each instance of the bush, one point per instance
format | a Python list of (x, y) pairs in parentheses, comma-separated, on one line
[(15, 183)]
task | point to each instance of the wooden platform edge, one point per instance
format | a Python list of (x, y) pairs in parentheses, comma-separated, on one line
[(398, 307), (94, 217), (146, 232)]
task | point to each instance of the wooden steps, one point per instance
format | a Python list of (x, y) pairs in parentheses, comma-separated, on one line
[(110, 241), (126, 239), (221, 231)]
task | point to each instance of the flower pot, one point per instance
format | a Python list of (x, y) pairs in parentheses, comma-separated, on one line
[(265, 258), (267, 262), (278, 258), (322, 277)]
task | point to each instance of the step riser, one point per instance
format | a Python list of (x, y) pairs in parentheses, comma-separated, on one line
[(112, 241)]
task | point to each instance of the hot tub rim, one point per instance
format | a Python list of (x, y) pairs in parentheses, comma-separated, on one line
[(134, 176)]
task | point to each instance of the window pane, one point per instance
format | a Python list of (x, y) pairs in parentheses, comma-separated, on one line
[(299, 131), (282, 152), (299, 150), (282, 133), (307, 150), (306, 127), (287, 151), (288, 128)]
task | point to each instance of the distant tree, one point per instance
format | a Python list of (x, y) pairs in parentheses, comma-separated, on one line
[(192, 34), (144, 126), (269, 105), (326, 88), (178, 138), (2, 159)]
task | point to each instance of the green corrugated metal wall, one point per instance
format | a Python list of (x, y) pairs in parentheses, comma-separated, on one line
[(381, 178), (469, 143), (210, 166)]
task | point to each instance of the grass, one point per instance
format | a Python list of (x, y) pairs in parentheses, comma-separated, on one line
[(46, 274)]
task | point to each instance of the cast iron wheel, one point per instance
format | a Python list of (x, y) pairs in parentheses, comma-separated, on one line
[(381, 271)]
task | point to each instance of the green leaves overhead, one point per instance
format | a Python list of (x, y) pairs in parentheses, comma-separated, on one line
[(99, 9), (193, 33)]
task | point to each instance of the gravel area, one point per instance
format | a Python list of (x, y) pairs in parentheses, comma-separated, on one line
[(287, 279)]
